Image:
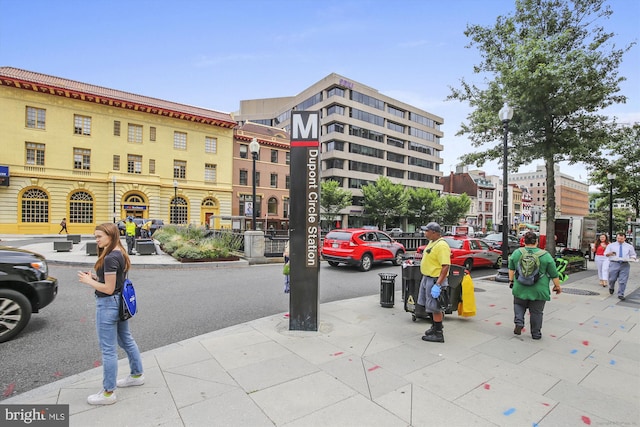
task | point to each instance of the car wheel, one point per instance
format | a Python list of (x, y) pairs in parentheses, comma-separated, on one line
[(399, 258), (15, 312), (333, 263), (468, 264), (366, 263), (498, 263)]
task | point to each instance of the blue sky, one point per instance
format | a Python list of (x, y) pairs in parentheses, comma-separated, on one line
[(213, 53)]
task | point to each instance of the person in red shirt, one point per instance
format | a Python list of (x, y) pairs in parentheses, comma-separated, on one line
[(601, 260)]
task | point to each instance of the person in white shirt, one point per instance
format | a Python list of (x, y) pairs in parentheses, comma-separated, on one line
[(619, 253)]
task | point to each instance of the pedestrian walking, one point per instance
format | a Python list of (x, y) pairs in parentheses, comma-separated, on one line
[(532, 297), (130, 234), (619, 254), (63, 226), (434, 266), (601, 260), (110, 272)]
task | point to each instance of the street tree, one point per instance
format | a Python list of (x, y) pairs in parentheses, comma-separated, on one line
[(384, 200), (453, 208), (423, 206), (333, 199), (555, 64)]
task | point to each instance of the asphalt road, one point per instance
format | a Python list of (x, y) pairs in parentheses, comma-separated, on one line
[(174, 304)]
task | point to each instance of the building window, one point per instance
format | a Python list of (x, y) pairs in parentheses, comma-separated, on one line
[(245, 205), (244, 177), (180, 169), (134, 133), (209, 172), (36, 118), (244, 149), (179, 211), (393, 157), (395, 142), (274, 156), (116, 128), (335, 145), (395, 127), (304, 105), (415, 161), (285, 207), (395, 173), (335, 109), (366, 151), (35, 206), (287, 158), (257, 179), (367, 100), (152, 133), (81, 125), (179, 140), (152, 166), (116, 162), (272, 206), (210, 145), (334, 163), (81, 158), (134, 163), (335, 127), (34, 154), (420, 148), (395, 111), (366, 133), (274, 180), (287, 182), (81, 208), (336, 91)]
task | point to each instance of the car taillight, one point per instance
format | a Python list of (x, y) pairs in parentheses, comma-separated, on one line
[(352, 243)]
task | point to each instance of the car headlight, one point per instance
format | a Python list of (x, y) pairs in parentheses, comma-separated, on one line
[(40, 266)]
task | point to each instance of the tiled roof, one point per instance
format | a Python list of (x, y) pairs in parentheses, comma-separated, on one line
[(16, 77)]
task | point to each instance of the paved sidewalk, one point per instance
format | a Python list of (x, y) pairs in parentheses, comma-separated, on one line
[(367, 366)]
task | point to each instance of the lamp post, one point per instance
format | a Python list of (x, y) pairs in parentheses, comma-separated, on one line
[(611, 177), (173, 205), (254, 147), (505, 114), (113, 180)]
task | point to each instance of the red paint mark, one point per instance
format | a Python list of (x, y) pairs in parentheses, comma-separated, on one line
[(552, 336), (83, 319), (498, 323), (338, 353), (57, 374), (97, 363), (585, 343), (9, 390), (286, 315), (586, 420), (373, 368), (487, 386), (492, 305), (546, 404), (580, 324)]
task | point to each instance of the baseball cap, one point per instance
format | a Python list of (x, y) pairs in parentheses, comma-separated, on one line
[(433, 226)]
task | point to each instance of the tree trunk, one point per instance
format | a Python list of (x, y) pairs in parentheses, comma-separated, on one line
[(551, 205)]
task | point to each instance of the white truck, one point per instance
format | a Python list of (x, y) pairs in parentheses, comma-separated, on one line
[(574, 233)]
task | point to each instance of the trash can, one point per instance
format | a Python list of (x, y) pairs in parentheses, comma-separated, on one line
[(387, 289), (411, 278), (454, 279)]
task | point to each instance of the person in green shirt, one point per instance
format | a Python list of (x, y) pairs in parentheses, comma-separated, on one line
[(532, 297)]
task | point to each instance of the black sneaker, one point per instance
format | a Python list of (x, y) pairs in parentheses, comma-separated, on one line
[(518, 330), (610, 291), (435, 337)]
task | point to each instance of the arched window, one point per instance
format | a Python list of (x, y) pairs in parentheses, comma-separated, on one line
[(179, 211), (209, 203), (35, 206), (272, 206), (81, 208)]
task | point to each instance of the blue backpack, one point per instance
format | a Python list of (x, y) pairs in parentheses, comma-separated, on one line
[(128, 302)]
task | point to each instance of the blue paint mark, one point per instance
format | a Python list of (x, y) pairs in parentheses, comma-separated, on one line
[(612, 362), (621, 326), (596, 321), (509, 411), (591, 357), (574, 351), (534, 425)]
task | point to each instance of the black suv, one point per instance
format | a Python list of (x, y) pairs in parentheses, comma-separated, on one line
[(25, 288)]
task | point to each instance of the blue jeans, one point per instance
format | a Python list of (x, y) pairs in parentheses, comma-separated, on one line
[(111, 331)]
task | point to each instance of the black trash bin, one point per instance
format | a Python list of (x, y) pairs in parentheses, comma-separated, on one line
[(454, 279), (387, 289), (411, 278)]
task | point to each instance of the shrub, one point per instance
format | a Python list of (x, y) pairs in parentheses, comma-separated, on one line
[(194, 243)]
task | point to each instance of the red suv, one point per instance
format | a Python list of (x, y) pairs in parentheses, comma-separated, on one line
[(470, 252), (361, 247)]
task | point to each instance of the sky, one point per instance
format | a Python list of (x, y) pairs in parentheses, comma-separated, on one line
[(214, 53)]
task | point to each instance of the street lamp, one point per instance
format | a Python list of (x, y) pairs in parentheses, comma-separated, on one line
[(505, 114), (113, 180), (254, 147), (173, 205), (611, 177)]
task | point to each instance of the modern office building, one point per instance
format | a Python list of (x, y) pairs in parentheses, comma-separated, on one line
[(364, 135), (91, 154)]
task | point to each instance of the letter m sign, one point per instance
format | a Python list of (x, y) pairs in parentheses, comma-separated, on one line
[(305, 128)]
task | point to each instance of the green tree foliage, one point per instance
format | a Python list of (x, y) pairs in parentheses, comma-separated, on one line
[(333, 199), (423, 206), (453, 208), (383, 200), (554, 63)]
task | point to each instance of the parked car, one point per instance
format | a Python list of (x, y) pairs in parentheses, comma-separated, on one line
[(396, 232), (495, 241), (25, 288), (470, 252), (361, 247)]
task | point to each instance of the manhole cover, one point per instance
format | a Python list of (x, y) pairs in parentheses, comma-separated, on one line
[(578, 291)]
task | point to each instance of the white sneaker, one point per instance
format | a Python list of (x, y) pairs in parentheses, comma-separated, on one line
[(101, 399), (130, 381)]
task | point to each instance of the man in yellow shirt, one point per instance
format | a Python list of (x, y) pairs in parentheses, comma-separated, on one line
[(130, 231), (434, 267)]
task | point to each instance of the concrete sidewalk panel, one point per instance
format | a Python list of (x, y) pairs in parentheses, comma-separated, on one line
[(234, 408), (430, 409), (271, 371), (450, 380), (571, 368)]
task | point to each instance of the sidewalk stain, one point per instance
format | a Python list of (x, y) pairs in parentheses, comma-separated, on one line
[(509, 411)]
